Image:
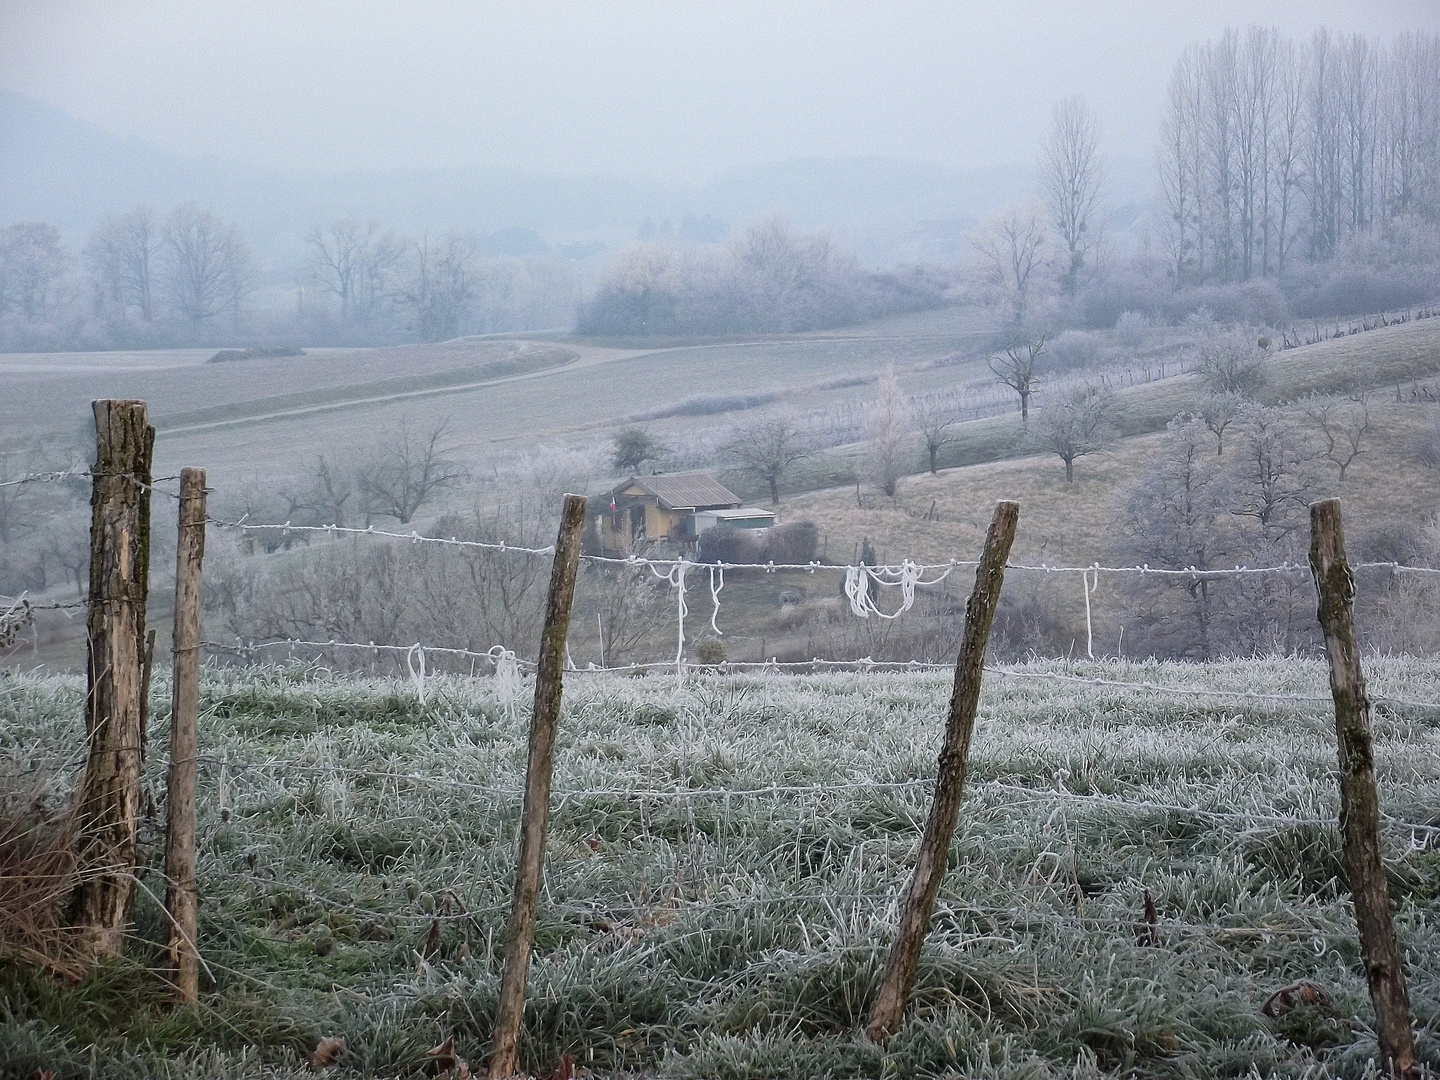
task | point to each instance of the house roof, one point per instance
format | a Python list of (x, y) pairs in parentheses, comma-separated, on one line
[(743, 513), (684, 491)]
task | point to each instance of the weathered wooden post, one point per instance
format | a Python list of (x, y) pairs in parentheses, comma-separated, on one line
[(535, 816), (1359, 801), (107, 804), (180, 897), (904, 957)]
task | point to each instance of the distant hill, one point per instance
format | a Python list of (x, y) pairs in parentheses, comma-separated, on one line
[(56, 168)]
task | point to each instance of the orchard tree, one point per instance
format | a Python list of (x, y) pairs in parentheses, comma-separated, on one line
[(1343, 425), (769, 448), (1017, 369), (1013, 251), (1080, 425), (935, 420), (1231, 363), (404, 472), (1172, 518), (633, 446)]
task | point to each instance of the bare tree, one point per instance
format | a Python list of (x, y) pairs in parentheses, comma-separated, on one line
[(440, 287), (769, 448), (404, 472), (122, 255), (206, 264), (630, 602), (1012, 249), (33, 264), (1343, 425), (1172, 521), (1070, 177), (1179, 166), (324, 497), (1080, 425), (935, 419), (352, 260), (1218, 411), (1017, 370), (887, 424), (1272, 475)]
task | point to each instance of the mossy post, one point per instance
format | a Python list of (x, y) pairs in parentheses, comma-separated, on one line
[(1359, 801), (183, 957), (107, 803), (535, 815), (899, 977)]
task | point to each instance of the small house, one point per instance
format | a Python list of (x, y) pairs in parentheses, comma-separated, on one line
[(665, 507)]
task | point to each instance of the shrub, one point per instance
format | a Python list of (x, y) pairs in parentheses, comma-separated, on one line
[(1132, 329), (793, 542), (723, 544), (710, 651)]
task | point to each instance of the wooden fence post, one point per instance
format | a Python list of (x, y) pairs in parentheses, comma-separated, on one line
[(1359, 802), (180, 897), (535, 817), (904, 957), (107, 804)]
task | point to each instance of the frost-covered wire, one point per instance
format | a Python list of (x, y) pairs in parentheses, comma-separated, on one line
[(243, 526), (655, 794), (715, 597), (1186, 691), (907, 577)]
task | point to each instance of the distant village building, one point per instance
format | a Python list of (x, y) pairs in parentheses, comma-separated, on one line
[(677, 507)]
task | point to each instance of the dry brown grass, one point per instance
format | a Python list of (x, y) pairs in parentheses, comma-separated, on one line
[(36, 875), (1077, 524)]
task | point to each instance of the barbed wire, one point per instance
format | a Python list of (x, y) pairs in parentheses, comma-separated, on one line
[(84, 471), (680, 793), (892, 570), (863, 663)]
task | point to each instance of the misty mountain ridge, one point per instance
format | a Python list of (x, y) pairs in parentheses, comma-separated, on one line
[(57, 168)]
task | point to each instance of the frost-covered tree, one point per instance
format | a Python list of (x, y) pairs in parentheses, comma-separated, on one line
[(1080, 424), (887, 426)]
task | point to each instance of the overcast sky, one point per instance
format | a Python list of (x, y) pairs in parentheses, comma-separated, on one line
[(669, 88)]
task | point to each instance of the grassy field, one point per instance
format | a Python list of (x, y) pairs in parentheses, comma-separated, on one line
[(724, 872), (267, 418)]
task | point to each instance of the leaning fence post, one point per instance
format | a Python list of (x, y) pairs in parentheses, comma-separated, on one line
[(535, 817), (904, 957), (107, 803), (180, 898), (1359, 802)]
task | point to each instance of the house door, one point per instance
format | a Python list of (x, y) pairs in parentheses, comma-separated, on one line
[(637, 522)]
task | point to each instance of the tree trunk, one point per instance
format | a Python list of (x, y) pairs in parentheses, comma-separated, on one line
[(107, 802), (929, 871), (1069, 470), (1359, 801), (774, 490), (933, 451), (1024, 407)]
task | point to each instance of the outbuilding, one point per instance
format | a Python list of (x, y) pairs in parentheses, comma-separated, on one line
[(665, 507)]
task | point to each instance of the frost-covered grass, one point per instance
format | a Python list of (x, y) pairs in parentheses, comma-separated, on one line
[(725, 865)]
